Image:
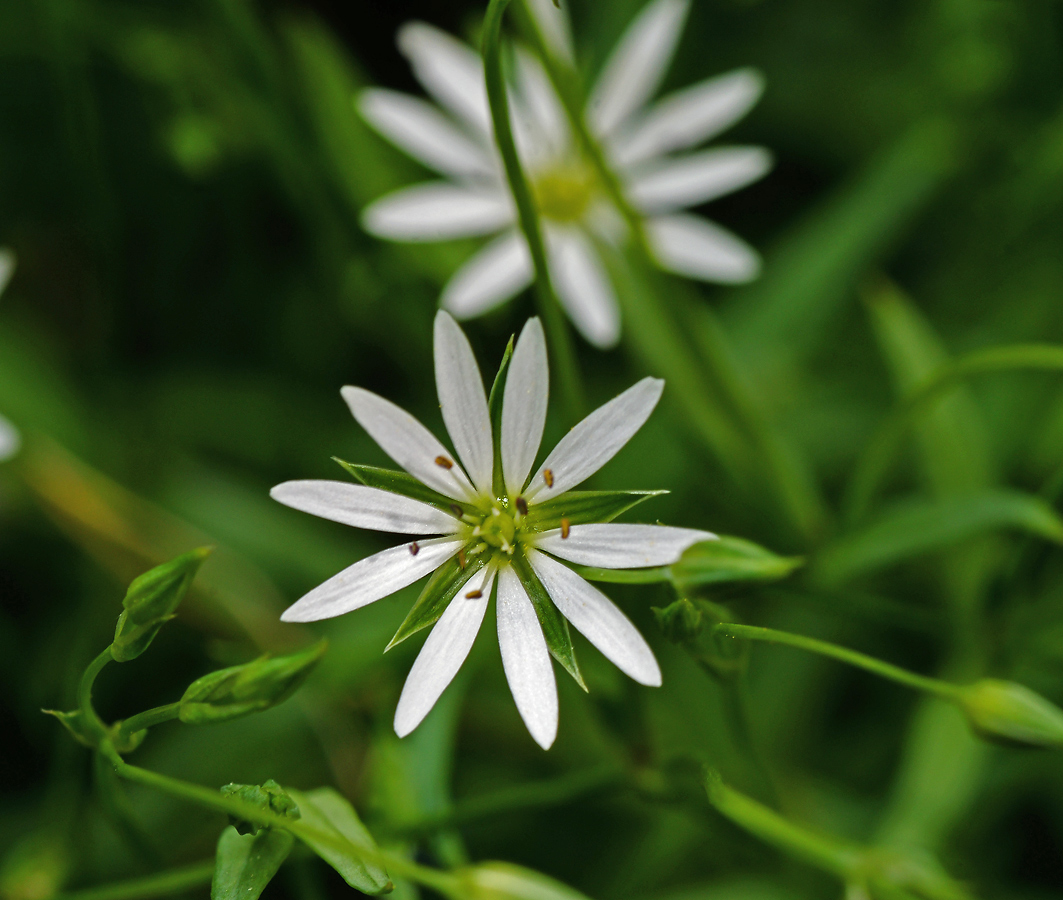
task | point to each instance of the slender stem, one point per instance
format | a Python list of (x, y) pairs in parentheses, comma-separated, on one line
[(116, 805), (159, 885), (527, 213), (88, 678), (934, 686), (148, 718)]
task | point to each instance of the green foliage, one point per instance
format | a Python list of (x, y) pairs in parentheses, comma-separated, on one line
[(1010, 712), (269, 796), (247, 862)]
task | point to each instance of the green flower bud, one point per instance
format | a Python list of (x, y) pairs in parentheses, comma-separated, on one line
[(1011, 713), (151, 601), (253, 687), (269, 796), (680, 621), (504, 881)]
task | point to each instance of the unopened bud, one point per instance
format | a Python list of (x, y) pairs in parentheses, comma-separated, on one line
[(151, 601), (680, 621), (269, 796), (253, 687), (505, 881), (1009, 712)]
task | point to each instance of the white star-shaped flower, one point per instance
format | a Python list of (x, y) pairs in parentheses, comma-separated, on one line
[(639, 138), (10, 440), (484, 523)]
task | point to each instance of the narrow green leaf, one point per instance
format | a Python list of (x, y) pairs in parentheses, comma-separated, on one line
[(399, 483), (582, 507), (921, 526), (74, 722), (245, 863), (554, 625), (441, 588), (325, 810), (494, 405), (729, 559), (505, 881)]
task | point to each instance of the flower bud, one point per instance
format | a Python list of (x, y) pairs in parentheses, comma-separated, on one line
[(1009, 712), (505, 881), (680, 621), (253, 687), (269, 796), (151, 601)]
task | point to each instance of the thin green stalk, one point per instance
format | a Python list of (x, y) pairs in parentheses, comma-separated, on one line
[(116, 806), (934, 686), (527, 213), (162, 884), (88, 678), (149, 718)]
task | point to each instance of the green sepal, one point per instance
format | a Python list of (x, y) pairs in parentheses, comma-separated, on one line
[(554, 625), (494, 406), (585, 507), (252, 687), (325, 810), (269, 796), (74, 722), (729, 559), (441, 588), (680, 621), (245, 863), (1011, 713), (400, 483)]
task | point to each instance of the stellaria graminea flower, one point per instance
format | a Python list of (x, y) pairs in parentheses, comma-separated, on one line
[(10, 440), (456, 140), (484, 523)]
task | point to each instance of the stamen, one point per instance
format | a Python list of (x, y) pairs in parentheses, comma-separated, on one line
[(565, 525), (495, 511), (474, 595), (522, 506), (414, 549), (548, 477), (444, 462), (507, 547), (461, 559)]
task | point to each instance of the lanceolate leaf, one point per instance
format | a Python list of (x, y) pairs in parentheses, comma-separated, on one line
[(494, 405), (325, 810), (399, 483), (554, 625), (441, 588), (581, 507), (245, 863)]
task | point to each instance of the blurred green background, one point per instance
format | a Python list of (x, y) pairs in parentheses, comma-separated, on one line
[(181, 181)]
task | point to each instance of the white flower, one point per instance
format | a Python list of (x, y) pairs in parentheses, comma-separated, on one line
[(456, 140), (10, 440), (483, 525)]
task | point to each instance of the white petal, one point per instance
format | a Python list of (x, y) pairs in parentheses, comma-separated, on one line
[(10, 440), (595, 440), (598, 619), (689, 117), (554, 26), (695, 179), (371, 579), (490, 277), (7, 267), (583, 286), (635, 69), (544, 106), (424, 133), (436, 211), (612, 546), (524, 406), (449, 70), (364, 507), (698, 248), (443, 653), (409, 443), (463, 401), (526, 659)]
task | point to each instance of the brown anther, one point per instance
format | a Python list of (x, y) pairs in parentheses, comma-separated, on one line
[(457, 510), (461, 559), (548, 477), (414, 549), (444, 462), (565, 526), (474, 595), (522, 506)]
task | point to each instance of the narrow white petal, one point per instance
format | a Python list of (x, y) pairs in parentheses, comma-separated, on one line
[(688, 117), (443, 653), (7, 267), (695, 179), (10, 440), (583, 286), (364, 507), (635, 69), (424, 133), (595, 440), (612, 546), (409, 443), (526, 659), (698, 248), (553, 24), (463, 401), (449, 70), (371, 579), (436, 211), (543, 104), (490, 277), (524, 406), (598, 619)]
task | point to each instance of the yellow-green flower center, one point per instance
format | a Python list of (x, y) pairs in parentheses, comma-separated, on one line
[(498, 529), (563, 193)]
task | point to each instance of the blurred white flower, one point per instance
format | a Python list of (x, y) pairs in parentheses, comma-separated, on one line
[(639, 138), (10, 440), (504, 531)]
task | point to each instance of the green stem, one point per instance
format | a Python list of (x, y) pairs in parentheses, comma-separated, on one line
[(934, 686), (88, 678), (116, 806), (527, 213), (162, 884), (148, 718)]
